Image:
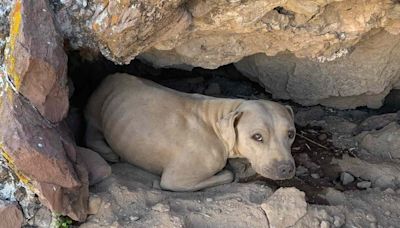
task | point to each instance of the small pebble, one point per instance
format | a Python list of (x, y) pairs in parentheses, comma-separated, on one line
[(387, 213), (160, 207), (371, 218), (325, 224), (301, 170), (337, 221), (389, 191), (315, 175), (364, 184), (346, 178), (209, 199), (134, 218), (322, 137)]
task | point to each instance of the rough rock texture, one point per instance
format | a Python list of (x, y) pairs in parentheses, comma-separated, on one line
[(127, 199), (213, 33), (35, 59), (43, 156), (10, 215), (382, 174), (363, 77), (285, 207), (325, 52), (384, 142)]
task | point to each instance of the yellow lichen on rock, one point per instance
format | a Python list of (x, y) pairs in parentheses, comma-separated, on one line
[(11, 165), (15, 24)]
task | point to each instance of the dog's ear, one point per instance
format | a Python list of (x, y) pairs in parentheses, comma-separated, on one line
[(290, 110), (226, 127)]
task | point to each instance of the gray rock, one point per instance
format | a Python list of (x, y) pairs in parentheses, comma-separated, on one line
[(301, 170), (364, 184), (383, 143), (285, 207), (346, 178), (363, 77)]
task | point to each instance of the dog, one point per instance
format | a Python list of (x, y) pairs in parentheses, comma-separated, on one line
[(187, 138)]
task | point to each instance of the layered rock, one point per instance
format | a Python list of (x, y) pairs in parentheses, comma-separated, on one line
[(305, 37), (33, 101), (213, 33), (363, 77)]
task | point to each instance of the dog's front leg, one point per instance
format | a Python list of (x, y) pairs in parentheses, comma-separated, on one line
[(185, 183)]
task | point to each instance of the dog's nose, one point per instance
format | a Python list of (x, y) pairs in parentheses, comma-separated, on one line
[(285, 169)]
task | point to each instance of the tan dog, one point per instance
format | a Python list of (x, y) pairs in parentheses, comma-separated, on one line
[(187, 138)]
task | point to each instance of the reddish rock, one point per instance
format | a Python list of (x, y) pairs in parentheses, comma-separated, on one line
[(10, 215), (97, 167), (43, 155), (36, 60)]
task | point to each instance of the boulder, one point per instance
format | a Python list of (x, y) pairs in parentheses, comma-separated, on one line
[(214, 33), (383, 143), (363, 77), (36, 61), (10, 215), (43, 156), (285, 207)]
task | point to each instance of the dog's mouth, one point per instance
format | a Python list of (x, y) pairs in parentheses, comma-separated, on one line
[(273, 174)]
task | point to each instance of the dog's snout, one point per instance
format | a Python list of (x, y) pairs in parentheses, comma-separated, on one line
[(285, 169)]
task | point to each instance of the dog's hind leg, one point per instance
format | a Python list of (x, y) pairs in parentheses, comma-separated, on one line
[(95, 140)]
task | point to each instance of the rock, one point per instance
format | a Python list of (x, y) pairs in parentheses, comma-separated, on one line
[(363, 77), (382, 174), (42, 218), (338, 221), (383, 143), (10, 215), (303, 117), (285, 207), (130, 199), (301, 170), (36, 61), (44, 157), (213, 89), (159, 207), (315, 175), (364, 184), (325, 224), (322, 137), (346, 178), (94, 204), (376, 122), (371, 217), (97, 167)]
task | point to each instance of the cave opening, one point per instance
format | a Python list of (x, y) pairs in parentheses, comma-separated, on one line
[(314, 150)]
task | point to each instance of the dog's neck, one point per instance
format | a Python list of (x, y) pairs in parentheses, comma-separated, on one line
[(214, 109)]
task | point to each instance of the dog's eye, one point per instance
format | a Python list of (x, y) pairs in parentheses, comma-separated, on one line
[(258, 137), (291, 134)]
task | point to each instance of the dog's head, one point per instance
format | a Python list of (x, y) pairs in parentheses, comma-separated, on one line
[(263, 132)]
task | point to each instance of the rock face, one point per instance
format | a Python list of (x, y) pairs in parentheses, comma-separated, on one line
[(336, 53), (213, 33), (363, 77), (10, 215), (43, 156), (285, 207), (36, 61), (33, 100)]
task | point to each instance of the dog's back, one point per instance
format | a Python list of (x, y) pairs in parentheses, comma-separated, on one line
[(143, 122)]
